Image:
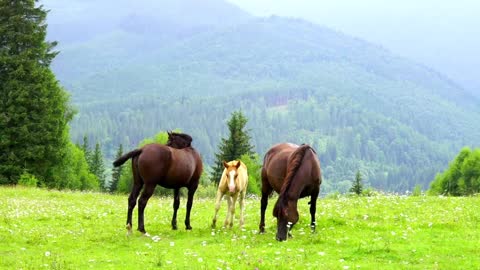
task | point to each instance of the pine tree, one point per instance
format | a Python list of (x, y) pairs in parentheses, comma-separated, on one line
[(98, 167), (116, 171), (233, 147), (34, 110), (86, 150), (357, 186)]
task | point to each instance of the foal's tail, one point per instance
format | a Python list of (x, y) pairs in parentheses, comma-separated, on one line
[(126, 157)]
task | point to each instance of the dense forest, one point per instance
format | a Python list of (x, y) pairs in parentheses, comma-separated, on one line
[(361, 107)]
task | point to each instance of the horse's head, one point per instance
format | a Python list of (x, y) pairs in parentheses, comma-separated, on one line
[(287, 215), (232, 174), (179, 140)]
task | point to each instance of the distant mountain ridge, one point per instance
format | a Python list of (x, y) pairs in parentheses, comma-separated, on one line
[(295, 80)]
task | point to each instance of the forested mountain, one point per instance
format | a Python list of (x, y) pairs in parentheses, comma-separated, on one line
[(361, 107)]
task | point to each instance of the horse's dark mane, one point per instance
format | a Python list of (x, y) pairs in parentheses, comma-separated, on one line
[(293, 165), (183, 139)]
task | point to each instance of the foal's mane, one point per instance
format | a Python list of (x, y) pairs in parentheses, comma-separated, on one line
[(292, 167)]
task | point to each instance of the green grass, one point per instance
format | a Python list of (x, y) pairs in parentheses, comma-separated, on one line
[(42, 229)]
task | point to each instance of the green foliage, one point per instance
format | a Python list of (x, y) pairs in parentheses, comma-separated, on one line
[(234, 146), (417, 190), (34, 110), (357, 186), (462, 177), (27, 180), (254, 167), (73, 172)]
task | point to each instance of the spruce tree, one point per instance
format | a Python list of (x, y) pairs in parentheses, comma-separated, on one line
[(98, 167), (116, 171), (357, 186), (86, 150), (34, 110), (234, 146)]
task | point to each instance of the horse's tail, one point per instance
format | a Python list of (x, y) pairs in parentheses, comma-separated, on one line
[(126, 157)]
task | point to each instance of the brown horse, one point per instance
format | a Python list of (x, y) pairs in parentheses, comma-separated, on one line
[(294, 172), (174, 165)]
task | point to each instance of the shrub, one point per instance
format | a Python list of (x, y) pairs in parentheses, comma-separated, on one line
[(27, 180)]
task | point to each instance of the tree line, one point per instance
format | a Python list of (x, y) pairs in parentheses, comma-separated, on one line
[(35, 144)]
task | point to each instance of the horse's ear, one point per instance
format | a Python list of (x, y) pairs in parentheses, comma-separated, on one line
[(238, 164), (225, 164)]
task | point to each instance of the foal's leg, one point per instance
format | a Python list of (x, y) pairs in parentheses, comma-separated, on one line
[(232, 209), (176, 205), (242, 207), (191, 192), (229, 211), (218, 200), (132, 201), (142, 203)]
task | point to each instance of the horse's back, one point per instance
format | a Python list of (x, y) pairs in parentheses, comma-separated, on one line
[(169, 167), (275, 163), (154, 160)]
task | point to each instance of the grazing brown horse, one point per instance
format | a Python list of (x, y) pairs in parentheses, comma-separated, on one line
[(234, 183), (294, 172), (174, 165)]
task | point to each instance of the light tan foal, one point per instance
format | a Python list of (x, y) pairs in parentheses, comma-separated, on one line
[(233, 183)]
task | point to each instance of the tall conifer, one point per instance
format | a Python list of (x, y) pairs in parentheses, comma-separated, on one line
[(34, 110), (98, 167), (234, 146), (116, 171)]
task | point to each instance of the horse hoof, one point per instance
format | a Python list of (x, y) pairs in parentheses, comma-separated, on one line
[(146, 234), (174, 227), (189, 227)]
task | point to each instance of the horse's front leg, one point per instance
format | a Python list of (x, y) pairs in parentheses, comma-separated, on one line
[(191, 192), (176, 205), (218, 200)]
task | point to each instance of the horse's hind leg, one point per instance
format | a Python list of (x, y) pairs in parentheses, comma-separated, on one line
[(191, 192), (176, 205), (313, 209), (266, 191), (142, 203), (132, 201)]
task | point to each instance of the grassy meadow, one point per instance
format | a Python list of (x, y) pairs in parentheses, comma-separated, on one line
[(42, 229)]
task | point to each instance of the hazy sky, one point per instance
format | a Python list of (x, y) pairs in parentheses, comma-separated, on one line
[(444, 34)]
